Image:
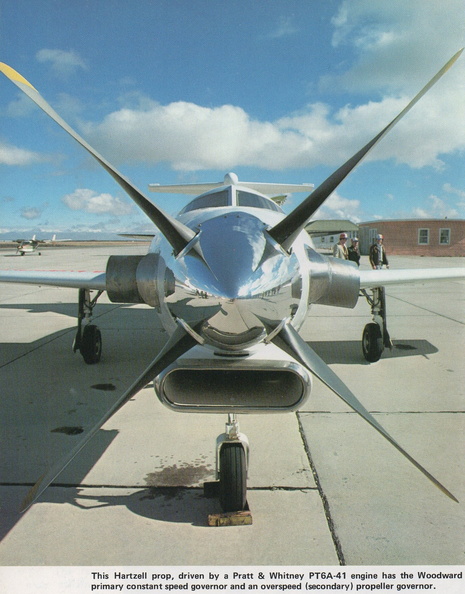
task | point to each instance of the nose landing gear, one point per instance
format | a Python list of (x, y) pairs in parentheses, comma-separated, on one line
[(232, 461)]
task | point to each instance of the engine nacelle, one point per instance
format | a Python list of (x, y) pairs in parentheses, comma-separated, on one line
[(203, 382), (138, 279), (121, 279), (333, 281)]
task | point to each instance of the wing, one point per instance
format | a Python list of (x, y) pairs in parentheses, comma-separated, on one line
[(382, 278), (147, 236), (73, 280)]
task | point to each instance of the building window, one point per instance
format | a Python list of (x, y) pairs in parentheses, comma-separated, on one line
[(444, 236), (423, 236)]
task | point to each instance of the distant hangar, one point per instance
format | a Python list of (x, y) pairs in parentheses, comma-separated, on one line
[(408, 237), (418, 237)]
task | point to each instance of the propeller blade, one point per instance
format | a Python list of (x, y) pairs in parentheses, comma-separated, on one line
[(286, 231), (175, 232), (178, 344), (290, 340)]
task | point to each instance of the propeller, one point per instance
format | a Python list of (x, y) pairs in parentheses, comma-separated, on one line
[(290, 341), (178, 235), (286, 231), (179, 343)]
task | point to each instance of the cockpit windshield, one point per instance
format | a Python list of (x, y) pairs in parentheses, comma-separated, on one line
[(222, 198), (255, 201), (211, 200)]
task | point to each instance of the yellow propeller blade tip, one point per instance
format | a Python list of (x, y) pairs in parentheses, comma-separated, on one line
[(11, 73)]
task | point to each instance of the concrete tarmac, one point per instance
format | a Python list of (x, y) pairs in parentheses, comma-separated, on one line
[(324, 488)]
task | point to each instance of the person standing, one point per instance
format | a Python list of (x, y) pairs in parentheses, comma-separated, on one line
[(354, 251), (377, 256), (340, 249)]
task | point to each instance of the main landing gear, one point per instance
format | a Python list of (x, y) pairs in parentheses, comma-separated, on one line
[(88, 340), (232, 460), (375, 334)]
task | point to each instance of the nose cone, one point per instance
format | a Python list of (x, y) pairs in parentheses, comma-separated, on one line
[(233, 246), (241, 285)]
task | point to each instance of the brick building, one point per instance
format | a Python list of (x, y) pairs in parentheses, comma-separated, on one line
[(419, 237)]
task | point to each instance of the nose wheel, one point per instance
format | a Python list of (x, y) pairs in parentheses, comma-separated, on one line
[(233, 477), (232, 464)]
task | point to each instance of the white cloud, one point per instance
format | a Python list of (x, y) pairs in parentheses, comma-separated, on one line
[(190, 137), (63, 63), (439, 209), (451, 190), (89, 201), (397, 47), (338, 207), (12, 155), (31, 213), (396, 43)]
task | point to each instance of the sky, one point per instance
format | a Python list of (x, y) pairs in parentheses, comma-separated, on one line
[(185, 91)]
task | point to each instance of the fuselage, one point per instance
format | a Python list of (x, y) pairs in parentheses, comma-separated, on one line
[(243, 285), (26, 247)]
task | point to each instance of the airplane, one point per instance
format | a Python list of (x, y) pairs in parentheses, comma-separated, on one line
[(232, 278), (27, 246)]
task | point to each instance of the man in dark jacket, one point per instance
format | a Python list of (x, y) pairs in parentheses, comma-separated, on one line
[(354, 251), (377, 256)]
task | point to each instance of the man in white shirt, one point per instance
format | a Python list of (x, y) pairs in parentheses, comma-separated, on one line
[(340, 249)]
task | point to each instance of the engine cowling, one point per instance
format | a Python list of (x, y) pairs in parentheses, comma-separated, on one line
[(333, 281), (138, 279)]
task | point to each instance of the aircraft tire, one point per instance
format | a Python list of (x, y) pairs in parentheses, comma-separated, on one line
[(91, 344), (233, 477), (372, 342)]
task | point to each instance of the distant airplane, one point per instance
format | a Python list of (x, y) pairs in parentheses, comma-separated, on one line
[(28, 246), (232, 279)]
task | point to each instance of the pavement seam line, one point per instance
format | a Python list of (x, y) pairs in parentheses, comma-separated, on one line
[(324, 499), (426, 309)]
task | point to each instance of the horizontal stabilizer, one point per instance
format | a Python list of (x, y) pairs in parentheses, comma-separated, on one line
[(269, 189)]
